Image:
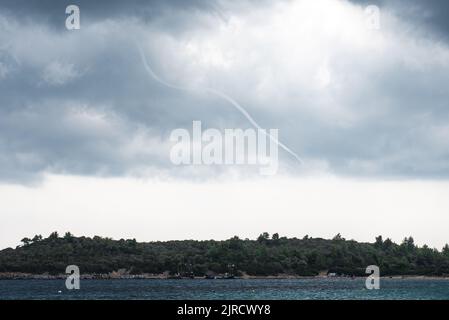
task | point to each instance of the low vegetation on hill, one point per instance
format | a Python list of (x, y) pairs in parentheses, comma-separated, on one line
[(266, 256)]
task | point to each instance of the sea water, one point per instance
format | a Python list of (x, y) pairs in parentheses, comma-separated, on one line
[(313, 288)]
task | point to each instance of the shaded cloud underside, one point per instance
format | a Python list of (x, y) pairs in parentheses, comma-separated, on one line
[(349, 100)]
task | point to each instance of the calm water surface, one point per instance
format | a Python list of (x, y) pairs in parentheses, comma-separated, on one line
[(226, 289)]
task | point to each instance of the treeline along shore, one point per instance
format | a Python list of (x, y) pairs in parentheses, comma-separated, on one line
[(267, 256)]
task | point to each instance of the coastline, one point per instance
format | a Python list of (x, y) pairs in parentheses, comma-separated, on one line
[(116, 276)]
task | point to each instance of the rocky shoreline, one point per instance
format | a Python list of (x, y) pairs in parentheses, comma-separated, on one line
[(120, 276)]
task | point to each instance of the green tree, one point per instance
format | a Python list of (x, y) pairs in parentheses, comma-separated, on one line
[(37, 238), (68, 235), (53, 235), (379, 242), (263, 237), (26, 241), (388, 244), (338, 237), (408, 244), (446, 250)]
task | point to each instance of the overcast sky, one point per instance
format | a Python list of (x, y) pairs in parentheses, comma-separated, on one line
[(367, 111)]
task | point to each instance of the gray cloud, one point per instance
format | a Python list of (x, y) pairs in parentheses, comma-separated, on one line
[(80, 102), (431, 14)]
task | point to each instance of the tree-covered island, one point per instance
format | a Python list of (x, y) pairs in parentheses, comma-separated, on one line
[(265, 256)]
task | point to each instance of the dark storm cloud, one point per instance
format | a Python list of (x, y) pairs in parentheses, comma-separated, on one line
[(81, 102), (49, 11)]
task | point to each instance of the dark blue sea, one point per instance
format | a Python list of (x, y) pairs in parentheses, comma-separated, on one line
[(297, 289)]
